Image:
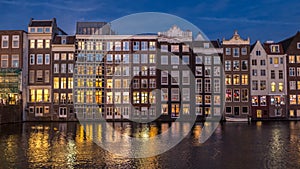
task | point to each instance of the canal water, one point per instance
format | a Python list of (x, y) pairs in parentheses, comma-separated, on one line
[(71, 145)]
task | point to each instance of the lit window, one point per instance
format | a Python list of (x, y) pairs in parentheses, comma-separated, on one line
[(263, 100), (292, 59), (280, 87), (152, 58), (198, 99), (275, 48), (207, 99), (164, 109), (236, 79), (293, 99), (244, 79), (70, 83), (40, 44), (152, 46), (136, 97), (254, 101), (236, 95), (144, 97), (217, 99), (47, 43), (32, 44), (228, 79), (273, 87), (175, 110), (185, 48), (56, 82), (186, 109), (228, 95), (276, 60)]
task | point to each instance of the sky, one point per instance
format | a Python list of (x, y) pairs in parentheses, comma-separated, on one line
[(258, 19)]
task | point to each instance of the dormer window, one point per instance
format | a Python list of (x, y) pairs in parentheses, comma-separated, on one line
[(275, 48), (298, 45), (206, 45), (39, 30)]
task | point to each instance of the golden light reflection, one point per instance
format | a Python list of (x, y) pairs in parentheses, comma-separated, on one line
[(197, 132)]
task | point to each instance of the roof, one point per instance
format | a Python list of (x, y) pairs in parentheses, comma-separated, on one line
[(41, 23), (267, 47), (289, 44), (69, 39)]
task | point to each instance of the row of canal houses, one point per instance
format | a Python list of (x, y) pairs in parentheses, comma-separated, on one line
[(97, 74)]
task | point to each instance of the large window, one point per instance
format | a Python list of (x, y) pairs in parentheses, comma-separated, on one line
[(236, 79), (254, 100), (164, 77), (39, 59), (175, 94), (292, 71), (5, 42), (164, 94), (175, 110), (136, 97), (207, 86), (40, 43), (244, 65), (244, 79), (236, 95), (228, 95), (293, 99), (263, 85), (15, 61), (185, 77), (236, 65), (228, 79), (4, 61), (15, 41), (263, 100), (273, 87), (244, 95), (185, 94), (254, 85), (47, 43), (236, 52)]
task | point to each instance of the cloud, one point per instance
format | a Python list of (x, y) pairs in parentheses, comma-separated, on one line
[(246, 20), (68, 6)]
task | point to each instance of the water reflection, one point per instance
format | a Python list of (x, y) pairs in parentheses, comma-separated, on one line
[(71, 145)]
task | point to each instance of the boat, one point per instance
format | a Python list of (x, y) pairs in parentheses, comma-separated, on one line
[(236, 119)]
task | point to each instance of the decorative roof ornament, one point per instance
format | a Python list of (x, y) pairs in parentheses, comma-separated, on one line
[(236, 39), (176, 34)]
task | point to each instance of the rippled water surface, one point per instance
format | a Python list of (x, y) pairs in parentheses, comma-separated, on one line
[(71, 145)]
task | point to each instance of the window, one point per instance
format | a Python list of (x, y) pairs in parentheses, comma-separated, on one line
[(39, 59), (263, 100), (40, 44), (15, 41), (276, 60), (263, 72), (280, 87), (244, 51), (263, 85), (254, 85), (198, 71), (258, 53), (217, 71), (70, 68), (136, 83), (109, 46), (228, 51), (217, 60), (4, 41), (236, 79), (164, 48), (15, 61), (164, 77), (164, 60), (136, 71), (292, 85), (164, 109), (207, 71), (245, 95), (245, 110), (198, 85), (236, 52), (4, 61), (39, 30), (175, 60), (292, 59), (117, 46), (217, 99), (228, 110), (217, 86), (63, 68), (207, 60), (109, 58), (174, 48), (47, 43), (144, 97), (281, 73), (271, 60), (185, 77), (152, 83), (199, 60), (293, 99), (47, 59), (227, 65), (63, 56), (63, 83), (207, 85), (126, 46), (31, 76), (228, 79), (56, 56), (198, 99), (185, 59), (56, 83), (185, 94), (262, 62), (63, 112), (175, 77), (185, 48), (136, 45), (236, 95), (152, 58), (47, 30), (39, 110), (125, 59), (298, 45), (273, 87), (207, 99), (39, 76), (236, 65), (275, 48), (175, 110), (272, 74), (144, 58), (228, 95), (32, 44), (292, 71), (144, 83), (152, 46), (244, 65), (164, 94), (47, 76), (254, 62), (244, 79), (136, 97), (175, 94), (254, 101), (56, 68)]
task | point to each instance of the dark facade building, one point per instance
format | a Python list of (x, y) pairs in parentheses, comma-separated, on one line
[(41, 34), (236, 61), (291, 48), (62, 56)]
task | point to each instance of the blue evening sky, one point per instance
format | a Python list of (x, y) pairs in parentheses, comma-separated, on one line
[(257, 19)]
